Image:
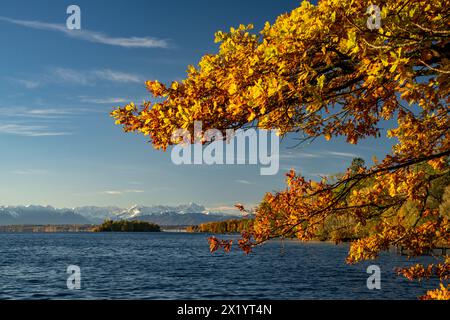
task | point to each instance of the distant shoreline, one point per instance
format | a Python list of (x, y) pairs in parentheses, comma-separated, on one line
[(69, 228), (48, 228)]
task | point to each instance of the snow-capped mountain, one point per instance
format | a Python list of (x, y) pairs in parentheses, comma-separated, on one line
[(136, 210), (98, 214), (39, 215), (181, 215)]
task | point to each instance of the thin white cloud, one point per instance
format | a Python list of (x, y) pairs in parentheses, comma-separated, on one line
[(50, 113), (91, 36), (296, 155), (30, 130), (42, 113), (70, 76), (121, 192), (116, 76), (113, 193), (134, 191), (29, 84), (91, 77), (29, 172), (299, 154), (104, 100), (76, 77), (243, 181), (342, 154), (37, 122)]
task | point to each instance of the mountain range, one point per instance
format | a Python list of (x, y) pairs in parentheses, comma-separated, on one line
[(181, 215)]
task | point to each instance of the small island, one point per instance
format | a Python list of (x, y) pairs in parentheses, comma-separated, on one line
[(127, 226)]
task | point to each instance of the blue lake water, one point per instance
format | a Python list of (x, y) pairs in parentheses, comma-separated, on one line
[(179, 266)]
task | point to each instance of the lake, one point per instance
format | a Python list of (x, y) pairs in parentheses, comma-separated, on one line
[(179, 266)]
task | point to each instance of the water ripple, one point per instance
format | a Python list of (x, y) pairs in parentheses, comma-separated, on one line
[(179, 266)]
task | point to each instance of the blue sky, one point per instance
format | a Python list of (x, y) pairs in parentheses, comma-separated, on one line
[(59, 145)]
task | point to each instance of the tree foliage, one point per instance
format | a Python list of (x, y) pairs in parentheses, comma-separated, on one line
[(318, 71), (127, 226), (228, 226)]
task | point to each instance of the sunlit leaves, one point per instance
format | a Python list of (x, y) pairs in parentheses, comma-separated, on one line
[(215, 244)]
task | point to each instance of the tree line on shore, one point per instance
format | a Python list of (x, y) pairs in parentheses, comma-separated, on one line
[(228, 226), (127, 226)]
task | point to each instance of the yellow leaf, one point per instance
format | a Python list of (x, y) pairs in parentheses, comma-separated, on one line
[(232, 89), (320, 81)]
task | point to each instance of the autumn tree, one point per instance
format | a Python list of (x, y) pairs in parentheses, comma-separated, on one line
[(357, 164), (319, 71)]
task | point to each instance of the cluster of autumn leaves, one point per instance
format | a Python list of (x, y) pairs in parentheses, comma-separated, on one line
[(420, 272), (319, 71)]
